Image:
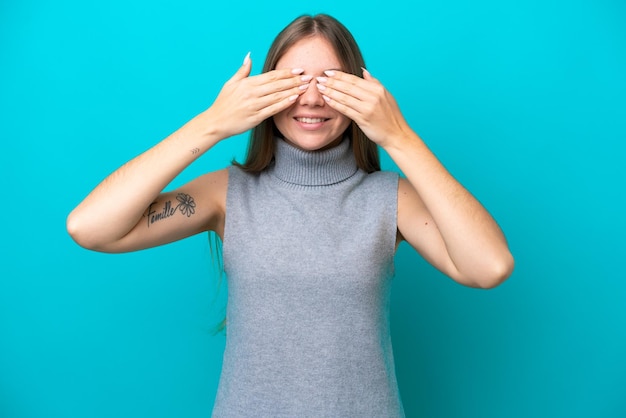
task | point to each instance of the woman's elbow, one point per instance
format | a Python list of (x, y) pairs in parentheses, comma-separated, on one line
[(75, 231), (81, 234), (499, 270)]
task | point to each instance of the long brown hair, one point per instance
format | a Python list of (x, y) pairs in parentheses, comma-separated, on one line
[(261, 145)]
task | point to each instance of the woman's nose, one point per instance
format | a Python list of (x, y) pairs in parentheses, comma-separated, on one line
[(312, 96)]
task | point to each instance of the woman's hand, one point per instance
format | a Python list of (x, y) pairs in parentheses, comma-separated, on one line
[(365, 101), (246, 101)]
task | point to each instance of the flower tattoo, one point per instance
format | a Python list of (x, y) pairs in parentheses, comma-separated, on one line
[(187, 205)]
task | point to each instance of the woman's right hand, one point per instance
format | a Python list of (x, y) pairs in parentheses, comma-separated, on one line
[(244, 101)]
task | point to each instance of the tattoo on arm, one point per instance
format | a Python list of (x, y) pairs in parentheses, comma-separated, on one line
[(195, 151), (186, 205)]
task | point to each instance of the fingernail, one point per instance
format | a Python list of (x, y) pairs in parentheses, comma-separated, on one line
[(365, 71), (321, 79), (297, 71), (329, 73), (304, 86), (306, 78), (293, 97), (326, 98), (246, 59), (321, 87)]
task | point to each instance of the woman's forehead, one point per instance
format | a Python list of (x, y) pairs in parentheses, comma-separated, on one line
[(311, 53)]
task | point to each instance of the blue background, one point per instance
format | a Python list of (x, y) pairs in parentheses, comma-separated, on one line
[(523, 101)]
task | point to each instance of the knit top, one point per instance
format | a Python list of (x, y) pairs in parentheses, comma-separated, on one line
[(308, 251)]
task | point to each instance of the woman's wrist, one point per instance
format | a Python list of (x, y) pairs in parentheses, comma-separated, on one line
[(401, 141), (201, 133)]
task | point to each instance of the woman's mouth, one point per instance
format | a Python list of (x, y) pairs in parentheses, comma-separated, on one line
[(310, 124), (311, 120)]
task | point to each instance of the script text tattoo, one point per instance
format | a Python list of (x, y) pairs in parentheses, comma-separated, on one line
[(186, 205)]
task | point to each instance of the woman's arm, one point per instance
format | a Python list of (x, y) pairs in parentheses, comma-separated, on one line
[(436, 214), (127, 211)]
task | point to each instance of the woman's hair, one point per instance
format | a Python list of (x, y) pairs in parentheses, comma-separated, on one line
[(261, 146)]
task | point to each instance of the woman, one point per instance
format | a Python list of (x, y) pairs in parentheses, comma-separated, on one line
[(309, 225)]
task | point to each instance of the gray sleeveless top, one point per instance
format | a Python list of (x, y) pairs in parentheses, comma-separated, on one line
[(308, 251)]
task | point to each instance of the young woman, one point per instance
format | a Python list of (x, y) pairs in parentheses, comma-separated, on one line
[(309, 225)]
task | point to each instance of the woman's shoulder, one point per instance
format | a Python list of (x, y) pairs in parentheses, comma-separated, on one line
[(212, 186), (215, 179), (381, 178), (379, 185)]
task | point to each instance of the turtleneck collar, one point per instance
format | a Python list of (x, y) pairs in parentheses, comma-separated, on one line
[(313, 168)]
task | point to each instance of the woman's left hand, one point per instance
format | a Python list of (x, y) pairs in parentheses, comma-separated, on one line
[(365, 101)]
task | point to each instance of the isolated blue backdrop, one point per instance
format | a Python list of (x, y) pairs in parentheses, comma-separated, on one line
[(522, 100)]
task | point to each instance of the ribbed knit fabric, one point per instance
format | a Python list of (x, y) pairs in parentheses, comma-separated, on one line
[(308, 252)]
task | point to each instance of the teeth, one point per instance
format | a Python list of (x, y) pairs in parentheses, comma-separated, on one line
[(310, 120)]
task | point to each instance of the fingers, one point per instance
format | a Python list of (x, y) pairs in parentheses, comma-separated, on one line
[(271, 82), (276, 89), (340, 101), (277, 106), (273, 103), (279, 80), (351, 95), (243, 71), (349, 84), (367, 75), (246, 68), (294, 84)]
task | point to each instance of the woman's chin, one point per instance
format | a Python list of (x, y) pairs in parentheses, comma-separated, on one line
[(313, 144)]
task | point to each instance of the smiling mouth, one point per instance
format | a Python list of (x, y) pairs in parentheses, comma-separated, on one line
[(311, 120)]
